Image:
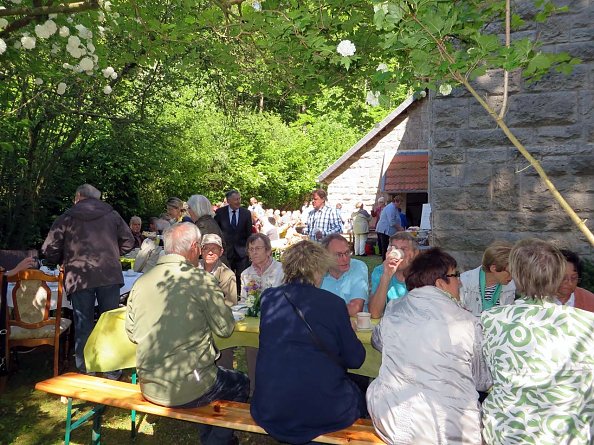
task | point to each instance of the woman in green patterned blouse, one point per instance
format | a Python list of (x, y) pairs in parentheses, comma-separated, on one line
[(541, 357)]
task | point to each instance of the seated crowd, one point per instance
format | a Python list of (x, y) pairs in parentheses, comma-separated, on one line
[(444, 337), (516, 327)]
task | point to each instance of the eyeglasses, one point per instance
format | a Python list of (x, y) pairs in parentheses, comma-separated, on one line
[(256, 249), (452, 275), (571, 279), (343, 254)]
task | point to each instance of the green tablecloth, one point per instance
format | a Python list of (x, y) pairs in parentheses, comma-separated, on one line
[(108, 347)]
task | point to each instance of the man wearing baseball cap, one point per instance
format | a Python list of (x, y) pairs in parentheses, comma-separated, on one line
[(212, 249)]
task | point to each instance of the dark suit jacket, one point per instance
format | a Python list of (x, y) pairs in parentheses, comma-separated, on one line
[(235, 238)]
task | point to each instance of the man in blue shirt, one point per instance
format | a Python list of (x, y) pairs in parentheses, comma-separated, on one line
[(348, 279), (387, 279), (389, 223)]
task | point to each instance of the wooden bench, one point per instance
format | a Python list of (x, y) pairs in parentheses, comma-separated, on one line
[(233, 415)]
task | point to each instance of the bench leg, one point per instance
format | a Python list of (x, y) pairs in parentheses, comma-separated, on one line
[(94, 414), (96, 434), (133, 412), (68, 421)]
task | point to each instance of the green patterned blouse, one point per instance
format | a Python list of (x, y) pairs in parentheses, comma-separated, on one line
[(541, 357)]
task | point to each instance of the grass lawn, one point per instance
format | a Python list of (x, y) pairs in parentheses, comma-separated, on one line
[(30, 417)]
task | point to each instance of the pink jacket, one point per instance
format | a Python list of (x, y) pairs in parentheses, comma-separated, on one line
[(584, 299)]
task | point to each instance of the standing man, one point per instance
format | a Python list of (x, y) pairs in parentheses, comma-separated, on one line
[(387, 279), (88, 240), (388, 224), (172, 314), (256, 207), (322, 220), (236, 224), (348, 278)]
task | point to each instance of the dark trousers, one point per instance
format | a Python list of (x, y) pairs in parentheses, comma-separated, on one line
[(229, 385), (383, 242), (238, 265), (83, 307)]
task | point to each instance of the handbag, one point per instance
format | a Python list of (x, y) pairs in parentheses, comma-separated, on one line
[(319, 343)]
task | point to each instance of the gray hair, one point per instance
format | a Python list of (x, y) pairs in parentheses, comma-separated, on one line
[(405, 236), (333, 237), (88, 191), (180, 237), (200, 205), (537, 268), (136, 220), (162, 224)]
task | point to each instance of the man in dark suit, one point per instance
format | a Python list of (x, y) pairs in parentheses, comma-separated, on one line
[(236, 224)]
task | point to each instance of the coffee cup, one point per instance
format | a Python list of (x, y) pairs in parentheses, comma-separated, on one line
[(395, 254), (363, 320)]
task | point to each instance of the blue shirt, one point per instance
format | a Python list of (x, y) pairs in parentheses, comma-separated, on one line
[(396, 289), (389, 220), (351, 284)]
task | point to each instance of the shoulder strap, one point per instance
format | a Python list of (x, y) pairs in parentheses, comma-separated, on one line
[(319, 343)]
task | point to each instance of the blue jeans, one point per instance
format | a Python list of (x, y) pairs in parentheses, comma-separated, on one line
[(229, 385), (83, 306)]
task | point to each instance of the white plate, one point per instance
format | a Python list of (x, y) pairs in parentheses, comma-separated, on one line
[(238, 316)]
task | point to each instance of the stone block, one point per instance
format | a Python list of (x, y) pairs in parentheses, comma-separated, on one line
[(580, 201), (483, 138), (453, 155), (491, 83), (582, 50), (445, 176), (556, 135), (556, 29), (478, 157), (530, 110), (582, 34), (444, 138), (554, 81), (477, 175), (586, 101), (451, 113), (556, 220)]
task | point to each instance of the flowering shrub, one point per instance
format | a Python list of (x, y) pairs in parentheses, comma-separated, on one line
[(253, 290)]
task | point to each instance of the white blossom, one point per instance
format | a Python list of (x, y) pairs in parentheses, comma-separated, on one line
[(423, 93), (383, 6), (64, 31), (51, 26), (53, 16), (61, 88), (3, 23), (70, 19), (73, 41), (75, 52), (2, 46), (107, 72), (107, 89), (17, 2), (67, 66), (114, 75), (382, 67), (55, 48), (257, 5), (346, 48), (17, 44), (38, 81), (90, 47), (101, 16), (445, 89), (28, 42), (107, 6), (372, 98), (86, 64), (84, 32)]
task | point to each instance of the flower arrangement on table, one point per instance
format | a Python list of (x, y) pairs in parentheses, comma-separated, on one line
[(253, 289)]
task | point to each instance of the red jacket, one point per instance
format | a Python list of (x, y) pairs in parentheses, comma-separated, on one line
[(584, 299)]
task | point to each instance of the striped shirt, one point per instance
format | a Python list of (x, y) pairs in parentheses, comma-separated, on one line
[(325, 220)]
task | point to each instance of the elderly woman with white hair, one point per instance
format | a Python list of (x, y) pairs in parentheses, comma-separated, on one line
[(200, 210), (541, 357)]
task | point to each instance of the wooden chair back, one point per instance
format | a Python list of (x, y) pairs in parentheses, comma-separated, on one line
[(10, 258), (31, 299)]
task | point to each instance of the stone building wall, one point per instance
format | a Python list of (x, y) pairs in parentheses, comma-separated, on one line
[(481, 187), (359, 179)]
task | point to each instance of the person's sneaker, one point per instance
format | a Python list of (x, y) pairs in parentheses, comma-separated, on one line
[(113, 375)]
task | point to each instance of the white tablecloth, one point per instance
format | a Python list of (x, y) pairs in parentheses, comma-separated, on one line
[(130, 278)]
